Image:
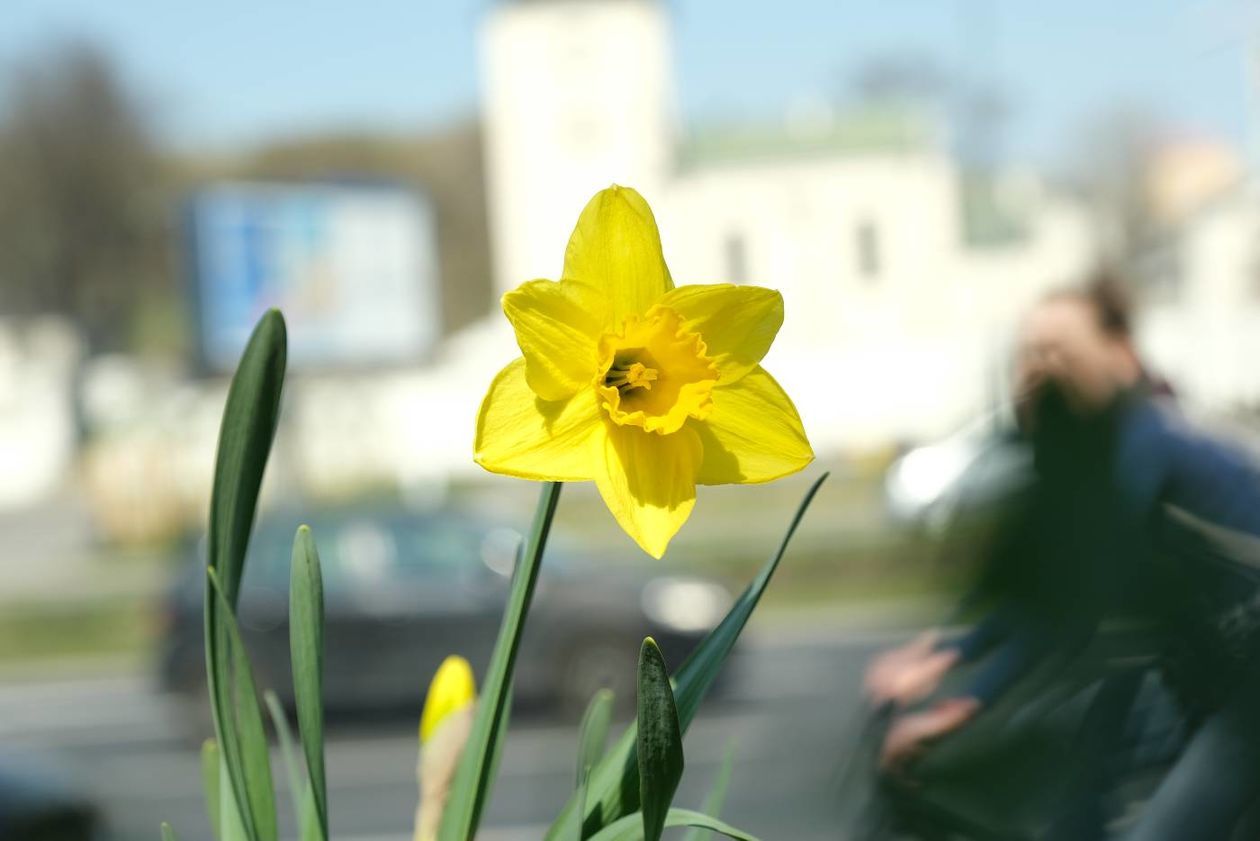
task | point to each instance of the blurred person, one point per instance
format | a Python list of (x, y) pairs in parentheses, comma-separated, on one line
[(1074, 351), (1122, 487)]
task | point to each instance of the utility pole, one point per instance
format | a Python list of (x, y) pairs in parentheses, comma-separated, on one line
[(981, 111)]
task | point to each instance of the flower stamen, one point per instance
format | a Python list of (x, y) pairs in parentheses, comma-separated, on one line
[(627, 377)]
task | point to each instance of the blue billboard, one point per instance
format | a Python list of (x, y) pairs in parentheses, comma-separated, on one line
[(353, 268)]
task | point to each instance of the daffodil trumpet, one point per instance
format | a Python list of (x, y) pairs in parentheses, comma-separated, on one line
[(645, 388)]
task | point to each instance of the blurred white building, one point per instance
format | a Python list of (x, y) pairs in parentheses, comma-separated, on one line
[(1200, 325), (38, 361), (901, 274)]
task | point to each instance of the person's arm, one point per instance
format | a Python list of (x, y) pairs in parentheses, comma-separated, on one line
[(908, 736), (1016, 645), (983, 636), (906, 673), (1162, 459), (1014, 656), (1021, 650), (1025, 647), (912, 671)]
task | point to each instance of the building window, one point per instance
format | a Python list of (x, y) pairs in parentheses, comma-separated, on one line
[(866, 245), (736, 256)]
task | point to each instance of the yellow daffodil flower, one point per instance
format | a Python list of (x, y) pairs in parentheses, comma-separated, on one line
[(645, 388), (444, 728)]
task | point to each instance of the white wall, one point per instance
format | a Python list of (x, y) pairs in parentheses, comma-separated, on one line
[(1205, 334), (38, 362)]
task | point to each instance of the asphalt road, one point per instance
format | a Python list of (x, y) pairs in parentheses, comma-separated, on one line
[(790, 710)]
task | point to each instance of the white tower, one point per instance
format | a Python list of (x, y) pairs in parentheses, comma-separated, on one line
[(577, 95)]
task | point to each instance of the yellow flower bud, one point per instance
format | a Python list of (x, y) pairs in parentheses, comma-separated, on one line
[(452, 689), (445, 725)]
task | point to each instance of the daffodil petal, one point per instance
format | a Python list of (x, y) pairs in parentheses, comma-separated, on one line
[(648, 481), (616, 248), (737, 323), (520, 434), (558, 326), (752, 435)]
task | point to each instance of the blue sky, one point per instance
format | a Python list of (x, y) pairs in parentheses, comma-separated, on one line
[(235, 71)]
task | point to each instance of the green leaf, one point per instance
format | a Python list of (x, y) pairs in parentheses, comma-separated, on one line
[(593, 733), (496, 755), (168, 834), (280, 723), (592, 741), (210, 782), (245, 436), (630, 827), (300, 790), (716, 798), (238, 720), (306, 646), (473, 779), (230, 816), (309, 823), (660, 749), (579, 826), (613, 789)]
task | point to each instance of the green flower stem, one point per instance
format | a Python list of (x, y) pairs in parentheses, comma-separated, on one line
[(612, 790), (475, 776)]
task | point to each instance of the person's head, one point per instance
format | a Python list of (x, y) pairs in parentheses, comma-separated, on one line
[(1078, 340)]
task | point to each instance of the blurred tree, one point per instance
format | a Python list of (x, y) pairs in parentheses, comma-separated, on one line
[(1110, 167), (83, 222), (972, 108), (901, 76), (87, 201)]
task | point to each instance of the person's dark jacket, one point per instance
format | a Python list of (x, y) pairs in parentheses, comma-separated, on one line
[(1111, 525)]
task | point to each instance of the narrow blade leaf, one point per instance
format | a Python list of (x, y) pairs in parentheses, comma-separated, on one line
[(474, 777), (310, 830), (306, 646), (660, 749), (288, 755), (245, 436), (593, 734), (716, 797), (230, 816), (592, 741), (210, 782), (496, 755), (168, 834), (579, 826), (630, 827), (238, 719), (613, 789)]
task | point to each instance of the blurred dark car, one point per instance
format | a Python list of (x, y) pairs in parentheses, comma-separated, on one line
[(40, 803), (402, 590)]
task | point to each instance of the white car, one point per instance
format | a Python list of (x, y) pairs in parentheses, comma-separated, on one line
[(929, 486)]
